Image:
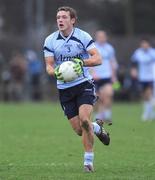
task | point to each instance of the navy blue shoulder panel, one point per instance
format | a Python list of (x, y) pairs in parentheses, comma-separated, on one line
[(46, 48), (90, 42), (76, 39)]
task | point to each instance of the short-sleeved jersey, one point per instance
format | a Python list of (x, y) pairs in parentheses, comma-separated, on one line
[(145, 60), (77, 44), (107, 52)]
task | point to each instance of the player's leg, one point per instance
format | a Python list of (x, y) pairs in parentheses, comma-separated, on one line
[(85, 111), (70, 108), (75, 123), (97, 129), (71, 111), (90, 97), (148, 113), (105, 104), (86, 99)]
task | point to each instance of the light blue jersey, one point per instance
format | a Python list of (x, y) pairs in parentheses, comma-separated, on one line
[(145, 60), (107, 52), (65, 48)]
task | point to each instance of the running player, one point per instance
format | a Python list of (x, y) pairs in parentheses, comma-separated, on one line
[(104, 75), (76, 97), (143, 60)]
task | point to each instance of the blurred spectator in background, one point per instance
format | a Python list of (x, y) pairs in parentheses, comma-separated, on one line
[(1, 66), (154, 84), (18, 69), (129, 84), (134, 89), (143, 60), (34, 74), (104, 75), (6, 79)]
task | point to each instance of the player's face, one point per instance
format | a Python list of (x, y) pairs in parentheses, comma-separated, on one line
[(64, 22), (101, 37), (144, 44)]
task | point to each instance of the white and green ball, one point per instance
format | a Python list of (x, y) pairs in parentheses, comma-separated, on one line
[(67, 71)]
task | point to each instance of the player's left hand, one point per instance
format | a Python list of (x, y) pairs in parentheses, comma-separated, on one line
[(78, 65), (116, 85)]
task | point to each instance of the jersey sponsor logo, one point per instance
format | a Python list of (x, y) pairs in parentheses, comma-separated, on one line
[(69, 58)]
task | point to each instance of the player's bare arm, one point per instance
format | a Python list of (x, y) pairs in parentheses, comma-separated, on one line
[(95, 58), (49, 61), (114, 70)]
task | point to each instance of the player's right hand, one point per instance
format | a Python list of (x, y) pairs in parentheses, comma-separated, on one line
[(57, 74)]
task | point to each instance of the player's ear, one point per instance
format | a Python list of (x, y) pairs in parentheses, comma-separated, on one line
[(73, 20)]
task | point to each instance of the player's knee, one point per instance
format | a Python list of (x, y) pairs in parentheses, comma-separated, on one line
[(85, 125), (78, 132), (106, 91)]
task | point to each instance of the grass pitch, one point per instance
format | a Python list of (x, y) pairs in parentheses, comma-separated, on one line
[(37, 143)]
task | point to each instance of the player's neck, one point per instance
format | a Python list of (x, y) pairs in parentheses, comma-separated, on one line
[(67, 32), (102, 42)]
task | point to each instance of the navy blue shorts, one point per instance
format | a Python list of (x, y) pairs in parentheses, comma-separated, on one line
[(145, 85), (72, 98), (101, 82)]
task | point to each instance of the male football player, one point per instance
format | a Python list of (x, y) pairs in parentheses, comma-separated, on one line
[(104, 75), (143, 59), (77, 97)]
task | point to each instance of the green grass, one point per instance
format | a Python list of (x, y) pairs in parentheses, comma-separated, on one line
[(37, 143)]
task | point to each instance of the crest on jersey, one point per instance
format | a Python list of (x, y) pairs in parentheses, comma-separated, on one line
[(80, 46)]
